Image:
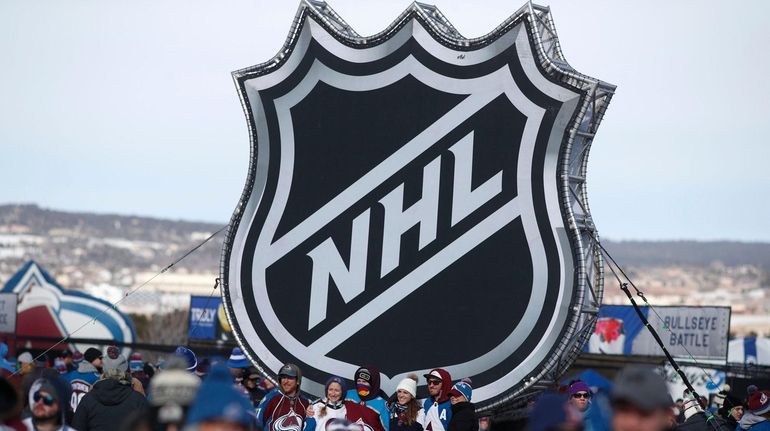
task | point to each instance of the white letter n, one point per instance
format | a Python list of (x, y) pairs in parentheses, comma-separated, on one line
[(327, 262)]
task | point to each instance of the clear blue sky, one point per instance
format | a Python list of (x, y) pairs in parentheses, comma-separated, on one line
[(128, 106)]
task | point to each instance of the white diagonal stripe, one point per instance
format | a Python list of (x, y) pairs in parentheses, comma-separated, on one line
[(415, 279), (387, 168)]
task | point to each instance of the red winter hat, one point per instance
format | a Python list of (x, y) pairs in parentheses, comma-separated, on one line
[(759, 402)]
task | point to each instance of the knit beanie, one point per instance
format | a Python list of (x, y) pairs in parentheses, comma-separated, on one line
[(371, 389), (25, 358), (579, 386), (759, 402), (409, 384), (91, 354), (189, 357), (338, 380), (176, 386), (238, 359), (135, 362), (114, 360), (461, 388)]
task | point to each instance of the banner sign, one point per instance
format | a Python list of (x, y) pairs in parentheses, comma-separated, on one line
[(698, 331), (8, 313), (207, 320), (203, 320), (410, 192)]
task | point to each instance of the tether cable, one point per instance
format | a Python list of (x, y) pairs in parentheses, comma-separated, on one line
[(114, 305)]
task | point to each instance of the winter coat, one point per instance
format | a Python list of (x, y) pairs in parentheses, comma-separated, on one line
[(331, 413), (438, 412), (398, 423), (107, 405), (463, 417), (279, 412), (732, 424), (702, 422), (82, 380), (752, 422), (376, 404), (368, 418)]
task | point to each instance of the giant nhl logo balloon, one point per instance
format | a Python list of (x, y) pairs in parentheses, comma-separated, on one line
[(416, 199)]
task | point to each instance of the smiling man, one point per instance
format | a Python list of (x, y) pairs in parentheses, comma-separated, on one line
[(437, 407), (283, 408)]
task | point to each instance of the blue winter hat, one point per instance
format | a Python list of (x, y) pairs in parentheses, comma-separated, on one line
[(218, 400), (461, 388), (188, 355), (238, 359), (335, 379)]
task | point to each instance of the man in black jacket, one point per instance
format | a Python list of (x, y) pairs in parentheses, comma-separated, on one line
[(463, 411), (112, 399)]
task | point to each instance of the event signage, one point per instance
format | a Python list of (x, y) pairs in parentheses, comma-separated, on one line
[(8, 313), (207, 320), (45, 309), (698, 331), (408, 203), (203, 321)]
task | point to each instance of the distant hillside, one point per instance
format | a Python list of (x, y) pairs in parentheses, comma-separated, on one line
[(690, 253), (60, 240), (113, 242), (40, 221)]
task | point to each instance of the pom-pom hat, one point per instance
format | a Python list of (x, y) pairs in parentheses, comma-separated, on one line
[(409, 384)]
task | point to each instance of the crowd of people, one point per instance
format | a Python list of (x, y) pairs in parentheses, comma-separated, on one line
[(96, 391), (106, 391), (640, 401)]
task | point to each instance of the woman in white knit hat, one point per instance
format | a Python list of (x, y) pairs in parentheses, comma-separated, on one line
[(406, 414)]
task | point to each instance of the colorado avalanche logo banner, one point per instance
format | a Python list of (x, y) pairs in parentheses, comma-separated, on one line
[(415, 200)]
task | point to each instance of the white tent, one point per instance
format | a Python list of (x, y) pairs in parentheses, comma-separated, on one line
[(749, 350)]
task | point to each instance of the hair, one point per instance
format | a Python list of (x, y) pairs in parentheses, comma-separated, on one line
[(322, 411), (120, 376), (412, 409)]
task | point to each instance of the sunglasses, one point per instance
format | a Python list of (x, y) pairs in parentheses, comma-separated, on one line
[(581, 395), (47, 399), (434, 382)]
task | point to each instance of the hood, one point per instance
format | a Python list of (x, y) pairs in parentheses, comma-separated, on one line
[(373, 373), (446, 384), (55, 386), (87, 367), (749, 419), (110, 392)]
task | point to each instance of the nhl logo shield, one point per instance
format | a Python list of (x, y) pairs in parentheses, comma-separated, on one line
[(411, 204)]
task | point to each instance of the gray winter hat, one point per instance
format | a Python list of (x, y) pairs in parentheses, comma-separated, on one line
[(641, 387), (113, 360)]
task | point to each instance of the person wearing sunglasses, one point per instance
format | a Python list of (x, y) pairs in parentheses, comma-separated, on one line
[(49, 401), (580, 395), (437, 407)]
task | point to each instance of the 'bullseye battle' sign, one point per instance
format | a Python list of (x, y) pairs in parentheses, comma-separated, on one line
[(698, 331)]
